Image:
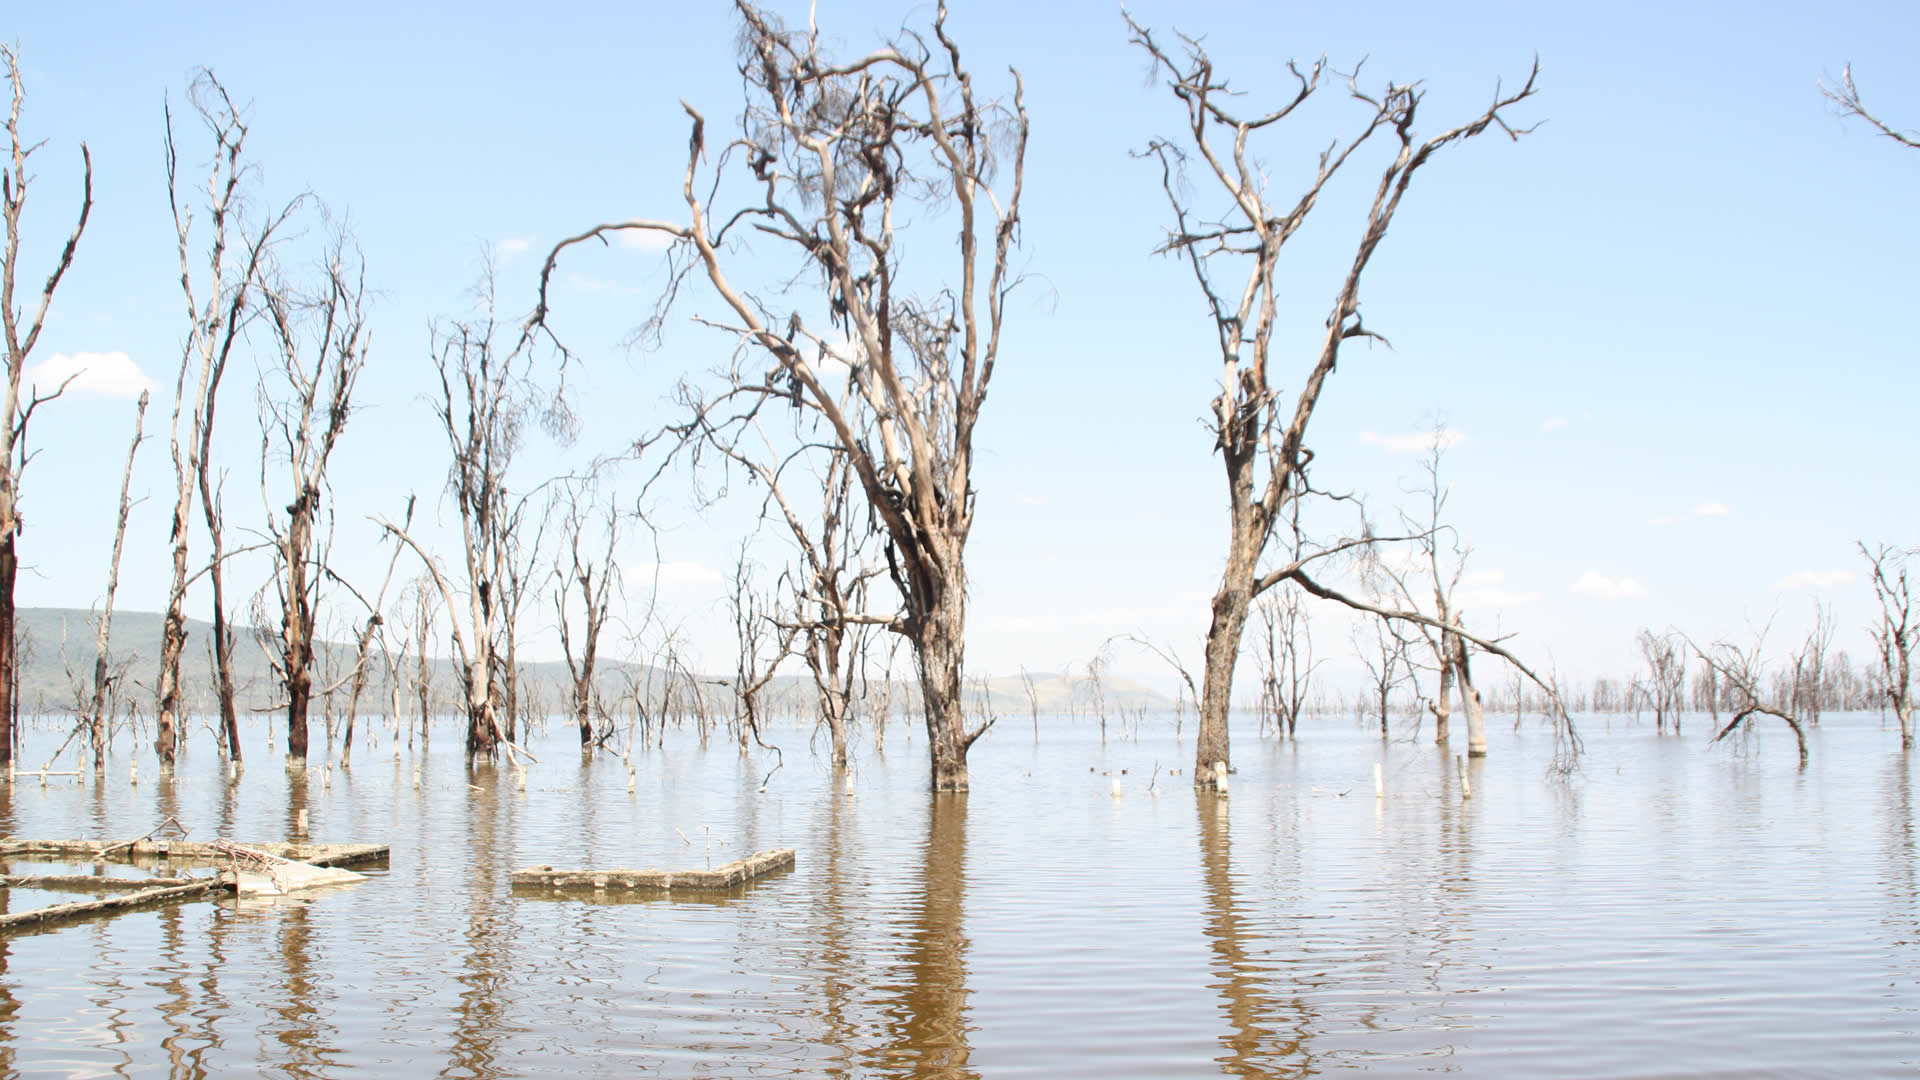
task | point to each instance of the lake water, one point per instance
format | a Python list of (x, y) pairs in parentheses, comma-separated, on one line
[(1675, 909)]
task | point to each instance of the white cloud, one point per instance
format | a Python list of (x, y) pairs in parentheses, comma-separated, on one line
[(515, 245), (645, 239), (112, 374), (1482, 579), (1553, 423), (687, 572), (1712, 509), (1596, 584), (1815, 579), (1419, 440)]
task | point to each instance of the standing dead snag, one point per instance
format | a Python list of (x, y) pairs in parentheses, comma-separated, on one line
[(1896, 632), (21, 338), (1666, 677), (830, 158), (809, 485), (97, 711), (322, 341), (484, 405), (1444, 564), (574, 568), (1233, 259), (215, 320)]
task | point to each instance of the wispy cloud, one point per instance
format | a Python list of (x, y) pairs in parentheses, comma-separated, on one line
[(1553, 423), (645, 239), (112, 374), (1419, 440), (514, 245), (1594, 583), (1711, 509), (1815, 579)]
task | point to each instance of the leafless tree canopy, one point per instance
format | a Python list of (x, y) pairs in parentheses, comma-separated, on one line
[(1895, 632), (1233, 255), (831, 157)]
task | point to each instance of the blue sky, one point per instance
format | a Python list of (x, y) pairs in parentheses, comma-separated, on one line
[(1673, 326)]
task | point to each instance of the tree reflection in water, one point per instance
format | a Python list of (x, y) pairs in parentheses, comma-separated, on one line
[(1266, 1035), (926, 1012)]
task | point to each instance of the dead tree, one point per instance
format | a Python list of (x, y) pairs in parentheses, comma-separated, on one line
[(1233, 256), (22, 336), (1170, 656), (1666, 661), (1441, 562), (831, 158), (1284, 655), (422, 600), (1806, 693), (760, 644), (597, 583), (1845, 98), (218, 309), (96, 713), (485, 401), (1895, 633), (374, 628), (1742, 670), (321, 339), (1389, 667)]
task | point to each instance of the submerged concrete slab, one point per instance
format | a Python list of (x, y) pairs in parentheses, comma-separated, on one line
[(729, 876)]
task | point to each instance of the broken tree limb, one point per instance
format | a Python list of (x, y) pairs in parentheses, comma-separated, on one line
[(730, 876), (1743, 715)]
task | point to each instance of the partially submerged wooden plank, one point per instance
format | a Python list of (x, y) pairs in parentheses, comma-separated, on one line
[(89, 882), (730, 876), (202, 889), (313, 854)]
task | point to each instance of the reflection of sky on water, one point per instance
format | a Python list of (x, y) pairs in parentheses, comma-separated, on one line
[(1674, 909)]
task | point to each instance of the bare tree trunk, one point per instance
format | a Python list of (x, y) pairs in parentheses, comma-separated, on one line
[(940, 657), (1230, 606), (15, 414), (1476, 715)]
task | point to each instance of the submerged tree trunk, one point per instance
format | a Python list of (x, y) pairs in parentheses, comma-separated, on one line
[(939, 650)]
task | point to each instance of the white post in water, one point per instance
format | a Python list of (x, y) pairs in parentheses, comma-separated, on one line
[(1379, 781), (1116, 787), (1466, 785), (1220, 776)]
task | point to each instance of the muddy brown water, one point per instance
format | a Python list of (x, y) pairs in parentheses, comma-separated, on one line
[(1675, 910)]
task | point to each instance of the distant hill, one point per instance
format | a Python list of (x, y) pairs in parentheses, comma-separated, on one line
[(58, 657)]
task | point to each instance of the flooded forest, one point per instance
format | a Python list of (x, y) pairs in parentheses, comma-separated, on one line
[(413, 716)]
